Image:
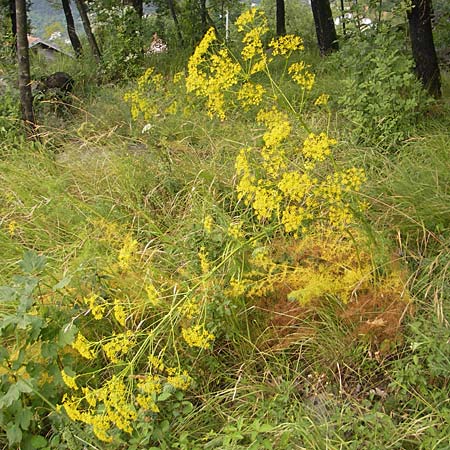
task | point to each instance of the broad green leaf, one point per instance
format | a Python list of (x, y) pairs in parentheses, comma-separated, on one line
[(164, 396), (13, 433), (7, 294), (67, 334), (32, 262), (10, 397), (24, 387), (38, 442), (24, 417)]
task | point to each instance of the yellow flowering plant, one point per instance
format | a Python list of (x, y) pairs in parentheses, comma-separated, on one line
[(129, 365)]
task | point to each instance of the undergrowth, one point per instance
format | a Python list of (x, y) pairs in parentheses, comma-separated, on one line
[(219, 270)]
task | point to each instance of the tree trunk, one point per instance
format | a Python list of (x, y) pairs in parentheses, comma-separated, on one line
[(76, 44), (424, 52), (12, 15), (325, 30), (23, 60), (203, 16), (173, 12), (81, 6), (281, 18)]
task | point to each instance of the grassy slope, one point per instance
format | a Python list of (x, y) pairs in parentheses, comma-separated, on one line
[(319, 392)]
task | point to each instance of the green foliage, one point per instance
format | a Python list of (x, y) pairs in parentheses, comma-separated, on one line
[(160, 195), (122, 38), (299, 20), (29, 363), (9, 114), (379, 95)]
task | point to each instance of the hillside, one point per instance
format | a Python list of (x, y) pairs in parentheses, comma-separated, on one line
[(44, 13)]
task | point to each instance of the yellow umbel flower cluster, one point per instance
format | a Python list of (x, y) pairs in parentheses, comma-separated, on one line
[(140, 102), (127, 252), (116, 410), (250, 94), (211, 74), (84, 347), (152, 294), (190, 308), (96, 307), (285, 45), (118, 346), (203, 258), (68, 380), (294, 197), (299, 73), (317, 147), (197, 336), (119, 313)]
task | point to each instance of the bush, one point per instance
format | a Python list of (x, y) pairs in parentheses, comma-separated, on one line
[(380, 96)]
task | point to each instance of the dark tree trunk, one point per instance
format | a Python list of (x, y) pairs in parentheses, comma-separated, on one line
[(173, 12), (281, 18), (204, 16), (325, 30), (23, 59), (424, 52), (81, 6), (76, 44), (12, 16), (137, 5)]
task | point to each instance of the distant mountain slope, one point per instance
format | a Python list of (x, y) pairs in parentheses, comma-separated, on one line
[(44, 13)]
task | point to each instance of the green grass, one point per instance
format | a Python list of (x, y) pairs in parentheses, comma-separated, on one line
[(328, 388)]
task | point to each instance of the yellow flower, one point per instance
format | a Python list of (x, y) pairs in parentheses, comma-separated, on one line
[(146, 402), (71, 407), (150, 384), (190, 308), (68, 380), (250, 94), (266, 202), (90, 396), (237, 288), (293, 218), (301, 76), (235, 230), (12, 226), (208, 223), (180, 381), (178, 77), (83, 346), (247, 17), (119, 313), (127, 251), (97, 310), (156, 363), (197, 336), (100, 427), (119, 345), (152, 294), (317, 147), (285, 45), (278, 124), (295, 186), (322, 100), (203, 257)]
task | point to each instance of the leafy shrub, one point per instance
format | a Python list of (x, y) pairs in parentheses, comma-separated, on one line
[(121, 34), (380, 96), (31, 336)]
